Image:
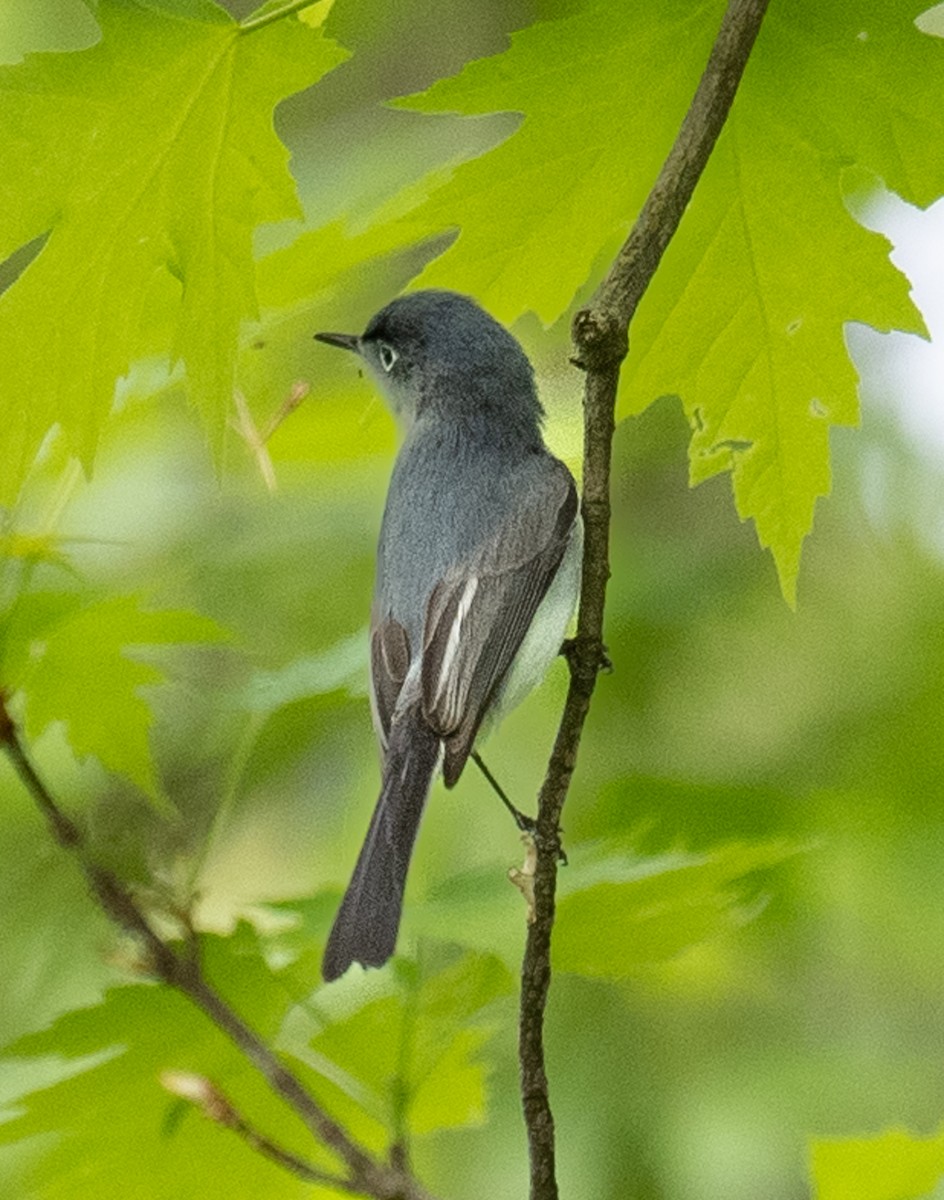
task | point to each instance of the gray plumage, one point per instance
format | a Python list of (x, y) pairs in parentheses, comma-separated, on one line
[(478, 521)]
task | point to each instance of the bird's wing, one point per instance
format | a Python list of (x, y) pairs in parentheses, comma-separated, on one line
[(389, 663), (479, 612)]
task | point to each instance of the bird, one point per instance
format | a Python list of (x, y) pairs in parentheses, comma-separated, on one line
[(477, 576)]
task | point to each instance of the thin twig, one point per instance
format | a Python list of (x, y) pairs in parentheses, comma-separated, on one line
[(255, 438), (366, 1175), (217, 1107), (601, 338)]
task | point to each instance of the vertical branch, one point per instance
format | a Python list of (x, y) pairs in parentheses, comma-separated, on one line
[(601, 339)]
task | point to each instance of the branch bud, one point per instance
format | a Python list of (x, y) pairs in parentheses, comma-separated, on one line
[(523, 879), (200, 1092)]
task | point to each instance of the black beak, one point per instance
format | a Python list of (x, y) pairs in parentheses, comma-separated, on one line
[(344, 341)]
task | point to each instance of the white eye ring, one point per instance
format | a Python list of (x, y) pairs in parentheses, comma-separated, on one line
[(388, 356)]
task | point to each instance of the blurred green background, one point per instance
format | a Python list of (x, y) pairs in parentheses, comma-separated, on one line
[(728, 718)]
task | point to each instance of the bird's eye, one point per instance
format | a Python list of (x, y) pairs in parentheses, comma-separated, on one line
[(388, 356)]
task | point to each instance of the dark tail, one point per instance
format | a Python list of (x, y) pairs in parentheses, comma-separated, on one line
[(365, 929)]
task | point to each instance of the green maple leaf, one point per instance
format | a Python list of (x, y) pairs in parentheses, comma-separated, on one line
[(71, 664), (745, 320), (411, 1060), (146, 162), (745, 317), (535, 213), (754, 348), (104, 1127), (632, 915)]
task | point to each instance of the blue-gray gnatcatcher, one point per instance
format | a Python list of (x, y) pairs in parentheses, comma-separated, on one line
[(478, 570)]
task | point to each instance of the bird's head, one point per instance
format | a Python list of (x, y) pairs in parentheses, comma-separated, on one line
[(439, 352)]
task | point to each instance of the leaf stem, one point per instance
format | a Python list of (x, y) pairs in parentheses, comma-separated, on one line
[(251, 24), (601, 339)]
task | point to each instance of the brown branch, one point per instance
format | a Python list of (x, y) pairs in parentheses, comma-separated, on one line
[(601, 338), (205, 1096), (366, 1175), (215, 1106)]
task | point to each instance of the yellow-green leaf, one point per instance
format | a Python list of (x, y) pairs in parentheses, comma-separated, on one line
[(145, 162), (632, 915), (745, 319), (896, 1165), (71, 664), (413, 1060)]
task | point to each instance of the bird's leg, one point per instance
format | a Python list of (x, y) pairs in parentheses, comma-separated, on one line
[(525, 823)]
